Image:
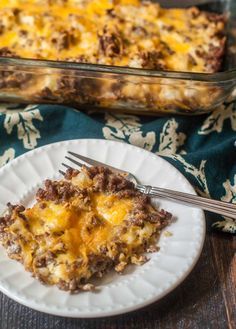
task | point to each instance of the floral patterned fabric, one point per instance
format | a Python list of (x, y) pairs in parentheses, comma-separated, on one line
[(202, 147)]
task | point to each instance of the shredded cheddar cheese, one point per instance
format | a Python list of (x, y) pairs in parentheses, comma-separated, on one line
[(119, 32)]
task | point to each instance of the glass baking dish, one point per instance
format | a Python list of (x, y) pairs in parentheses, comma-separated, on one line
[(123, 89)]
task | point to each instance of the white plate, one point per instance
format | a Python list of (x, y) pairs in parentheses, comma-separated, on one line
[(118, 294)]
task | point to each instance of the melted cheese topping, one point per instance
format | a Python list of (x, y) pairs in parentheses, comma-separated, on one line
[(111, 208), (118, 32), (63, 224), (76, 224)]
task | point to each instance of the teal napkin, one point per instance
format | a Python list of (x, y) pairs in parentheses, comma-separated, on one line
[(202, 147)]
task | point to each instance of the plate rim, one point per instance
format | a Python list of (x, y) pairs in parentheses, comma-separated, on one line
[(139, 305)]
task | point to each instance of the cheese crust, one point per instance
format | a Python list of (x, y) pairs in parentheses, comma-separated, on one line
[(130, 33), (81, 227)]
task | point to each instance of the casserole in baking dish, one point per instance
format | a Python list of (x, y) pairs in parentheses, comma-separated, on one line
[(118, 55)]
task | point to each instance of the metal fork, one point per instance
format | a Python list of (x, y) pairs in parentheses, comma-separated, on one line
[(215, 206)]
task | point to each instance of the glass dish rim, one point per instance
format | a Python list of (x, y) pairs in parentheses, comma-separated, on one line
[(223, 76)]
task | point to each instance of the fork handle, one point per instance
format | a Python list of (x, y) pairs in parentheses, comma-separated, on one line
[(215, 206)]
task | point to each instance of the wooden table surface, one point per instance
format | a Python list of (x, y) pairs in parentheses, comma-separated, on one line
[(206, 299)]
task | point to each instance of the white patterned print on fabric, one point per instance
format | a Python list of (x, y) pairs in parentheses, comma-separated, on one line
[(215, 121), (228, 225), (23, 120), (7, 156), (197, 173), (125, 127), (170, 143), (170, 139)]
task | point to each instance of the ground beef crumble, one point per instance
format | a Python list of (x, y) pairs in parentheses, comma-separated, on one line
[(59, 191)]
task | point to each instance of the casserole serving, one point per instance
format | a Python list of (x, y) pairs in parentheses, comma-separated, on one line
[(122, 55), (81, 227)]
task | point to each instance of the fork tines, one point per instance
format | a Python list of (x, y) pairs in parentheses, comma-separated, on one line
[(87, 162), (84, 161)]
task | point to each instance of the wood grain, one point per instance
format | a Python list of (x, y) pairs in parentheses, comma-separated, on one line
[(205, 300)]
